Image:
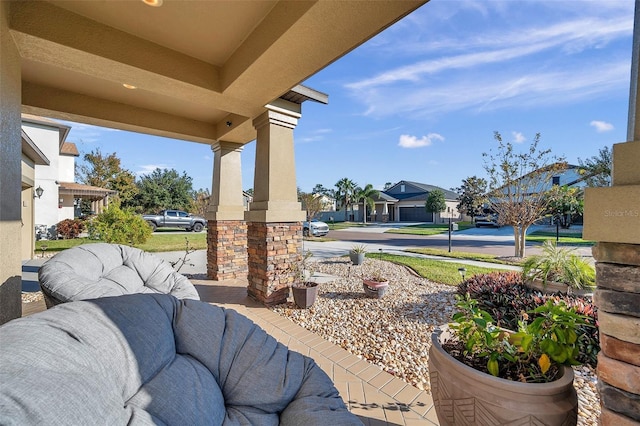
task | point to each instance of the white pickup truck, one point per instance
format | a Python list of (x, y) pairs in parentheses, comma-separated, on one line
[(175, 219)]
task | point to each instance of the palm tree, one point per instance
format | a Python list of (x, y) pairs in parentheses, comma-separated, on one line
[(345, 191), (366, 195)]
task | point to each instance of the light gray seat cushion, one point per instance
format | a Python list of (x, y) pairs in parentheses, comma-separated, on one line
[(97, 270), (153, 359)]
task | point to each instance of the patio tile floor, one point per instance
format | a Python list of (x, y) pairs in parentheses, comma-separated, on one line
[(376, 397)]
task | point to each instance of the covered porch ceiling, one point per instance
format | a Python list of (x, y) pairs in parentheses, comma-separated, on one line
[(202, 70)]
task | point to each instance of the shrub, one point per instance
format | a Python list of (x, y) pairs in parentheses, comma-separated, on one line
[(504, 296), (559, 265), (70, 228), (118, 226)]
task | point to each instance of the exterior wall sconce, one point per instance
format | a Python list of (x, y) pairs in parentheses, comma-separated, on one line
[(39, 192)]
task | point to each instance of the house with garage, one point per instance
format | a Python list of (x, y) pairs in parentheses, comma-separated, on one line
[(405, 202)]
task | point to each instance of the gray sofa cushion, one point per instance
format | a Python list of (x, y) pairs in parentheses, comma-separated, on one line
[(97, 270), (154, 359)]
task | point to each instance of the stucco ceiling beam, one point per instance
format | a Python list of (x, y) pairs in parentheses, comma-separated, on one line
[(288, 51), (56, 103)]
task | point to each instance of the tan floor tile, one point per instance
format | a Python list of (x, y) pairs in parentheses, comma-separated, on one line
[(394, 415), (394, 386), (423, 405), (356, 393), (381, 379), (339, 356), (350, 360), (370, 372), (408, 394), (359, 366)]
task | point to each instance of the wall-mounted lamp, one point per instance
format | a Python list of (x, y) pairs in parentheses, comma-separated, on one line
[(229, 123), (39, 192)]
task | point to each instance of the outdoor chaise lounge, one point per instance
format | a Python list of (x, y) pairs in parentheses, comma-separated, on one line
[(146, 359), (97, 270)]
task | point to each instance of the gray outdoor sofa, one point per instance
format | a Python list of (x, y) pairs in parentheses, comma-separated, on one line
[(147, 359), (97, 270)]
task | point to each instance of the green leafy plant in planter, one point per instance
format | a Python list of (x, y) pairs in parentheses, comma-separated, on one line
[(532, 354), (509, 376), (558, 265), (357, 253)]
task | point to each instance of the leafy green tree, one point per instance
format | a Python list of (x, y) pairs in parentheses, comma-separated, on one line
[(597, 169), (387, 186), (435, 202), (164, 189), (518, 185), (321, 189), (473, 194), (105, 171), (366, 195), (119, 226), (345, 189), (564, 203)]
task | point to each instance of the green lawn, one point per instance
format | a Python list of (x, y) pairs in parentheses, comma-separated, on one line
[(434, 270), (157, 242), (428, 229), (343, 225), (569, 238), (490, 258)]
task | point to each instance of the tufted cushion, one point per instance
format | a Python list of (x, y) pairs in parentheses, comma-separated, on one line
[(97, 270), (154, 359)]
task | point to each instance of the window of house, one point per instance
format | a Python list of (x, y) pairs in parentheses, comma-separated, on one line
[(556, 180), (401, 188)]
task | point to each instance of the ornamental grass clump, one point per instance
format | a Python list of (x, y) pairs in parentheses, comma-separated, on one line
[(557, 264), (534, 353)]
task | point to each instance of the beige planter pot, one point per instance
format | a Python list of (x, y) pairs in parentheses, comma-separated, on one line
[(465, 396)]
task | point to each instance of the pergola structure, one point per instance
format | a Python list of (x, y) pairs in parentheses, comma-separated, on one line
[(226, 73)]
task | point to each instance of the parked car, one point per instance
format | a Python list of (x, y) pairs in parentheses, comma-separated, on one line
[(175, 219), (486, 220), (315, 228)]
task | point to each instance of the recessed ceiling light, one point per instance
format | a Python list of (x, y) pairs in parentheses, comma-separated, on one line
[(154, 3), (129, 86)]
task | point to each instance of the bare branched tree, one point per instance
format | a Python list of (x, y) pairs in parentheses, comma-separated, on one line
[(518, 185)]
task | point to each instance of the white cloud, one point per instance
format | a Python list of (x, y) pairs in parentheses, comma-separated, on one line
[(601, 126), (314, 136), (86, 132), (149, 168), (518, 137), (497, 90), (408, 141)]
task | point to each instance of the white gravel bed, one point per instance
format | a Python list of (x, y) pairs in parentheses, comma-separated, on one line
[(394, 332)]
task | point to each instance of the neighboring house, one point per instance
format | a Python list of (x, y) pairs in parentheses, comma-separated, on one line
[(406, 203), (49, 170), (569, 176)]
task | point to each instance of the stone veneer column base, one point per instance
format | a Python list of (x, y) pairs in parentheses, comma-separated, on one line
[(226, 249), (617, 297), (272, 249)]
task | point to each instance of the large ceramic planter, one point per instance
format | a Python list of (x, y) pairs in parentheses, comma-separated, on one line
[(356, 258), (555, 287), (375, 289), (465, 396), (304, 295)]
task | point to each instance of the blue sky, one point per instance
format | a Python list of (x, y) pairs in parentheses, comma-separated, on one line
[(420, 101)]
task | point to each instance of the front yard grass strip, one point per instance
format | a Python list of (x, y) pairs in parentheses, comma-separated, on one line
[(428, 229), (462, 255), (435, 270), (574, 239), (157, 243)]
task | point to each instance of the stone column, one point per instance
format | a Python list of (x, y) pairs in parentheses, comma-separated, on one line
[(612, 217), (10, 173), (275, 215), (226, 228)]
